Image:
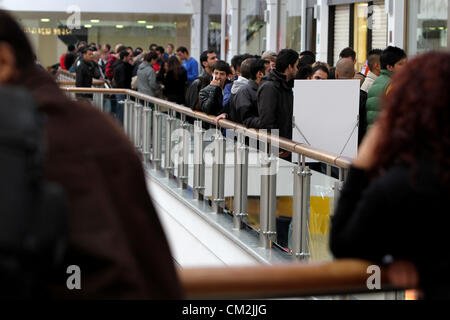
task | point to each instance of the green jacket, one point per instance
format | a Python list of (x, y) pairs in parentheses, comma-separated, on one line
[(374, 95)]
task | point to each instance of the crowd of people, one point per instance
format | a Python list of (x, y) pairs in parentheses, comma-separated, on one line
[(254, 90), (402, 171)]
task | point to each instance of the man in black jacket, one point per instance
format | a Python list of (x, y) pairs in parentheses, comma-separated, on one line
[(122, 79), (123, 71), (86, 71), (207, 59), (245, 101), (275, 96), (211, 96)]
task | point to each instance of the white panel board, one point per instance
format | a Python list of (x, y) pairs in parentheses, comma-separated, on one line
[(326, 113)]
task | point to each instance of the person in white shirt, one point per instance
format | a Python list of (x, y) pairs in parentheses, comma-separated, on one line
[(373, 61)]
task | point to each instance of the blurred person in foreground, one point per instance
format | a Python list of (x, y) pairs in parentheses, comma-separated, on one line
[(392, 206), (114, 234)]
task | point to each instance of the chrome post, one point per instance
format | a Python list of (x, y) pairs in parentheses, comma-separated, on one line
[(157, 139), (300, 214), (101, 102), (126, 117), (328, 170), (147, 113), (131, 119), (138, 125), (240, 181), (268, 202), (95, 100), (218, 176), (168, 161), (199, 162), (184, 140)]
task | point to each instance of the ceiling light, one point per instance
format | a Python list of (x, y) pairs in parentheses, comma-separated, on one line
[(88, 26), (119, 26), (95, 20), (45, 20), (150, 26), (141, 21)]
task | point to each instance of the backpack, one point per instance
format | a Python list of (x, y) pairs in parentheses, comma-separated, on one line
[(32, 211)]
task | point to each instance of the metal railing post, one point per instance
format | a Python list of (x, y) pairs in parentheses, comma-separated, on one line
[(218, 176), (199, 162), (126, 117), (240, 181), (168, 161), (300, 214), (146, 134), (157, 139), (138, 125), (184, 140), (268, 201)]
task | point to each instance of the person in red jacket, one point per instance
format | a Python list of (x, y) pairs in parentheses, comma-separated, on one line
[(62, 59)]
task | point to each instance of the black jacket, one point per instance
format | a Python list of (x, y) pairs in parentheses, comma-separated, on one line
[(246, 105), (85, 73), (174, 89), (404, 214), (362, 127), (211, 98), (275, 104), (192, 93), (122, 74)]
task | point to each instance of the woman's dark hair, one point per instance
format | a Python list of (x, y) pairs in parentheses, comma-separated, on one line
[(321, 66), (12, 33), (416, 116), (286, 58), (173, 65), (304, 72), (390, 56), (152, 55)]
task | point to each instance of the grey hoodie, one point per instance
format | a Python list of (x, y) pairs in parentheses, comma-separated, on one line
[(239, 83), (146, 82)]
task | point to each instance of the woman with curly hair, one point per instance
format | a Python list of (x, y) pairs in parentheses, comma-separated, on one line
[(394, 205)]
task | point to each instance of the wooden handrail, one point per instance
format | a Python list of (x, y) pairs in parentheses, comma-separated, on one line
[(286, 144), (292, 280)]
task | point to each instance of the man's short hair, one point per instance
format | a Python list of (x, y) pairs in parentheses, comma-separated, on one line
[(345, 69), (123, 54), (286, 58), (246, 68), (257, 65), (183, 50), (84, 50), (108, 46), (390, 56), (237, 60), (269, 55), (121, 48), (160, 49), (152, 55), (71, 48), (221, 66), (304, 71), (373, 57), (171, 45), (348, 53), (204, 56)]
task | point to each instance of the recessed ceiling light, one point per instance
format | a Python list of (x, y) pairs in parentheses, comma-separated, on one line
[(150, 26), (88, 26), (95, 20), (141, 21), (45, 20), (119, 26)]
